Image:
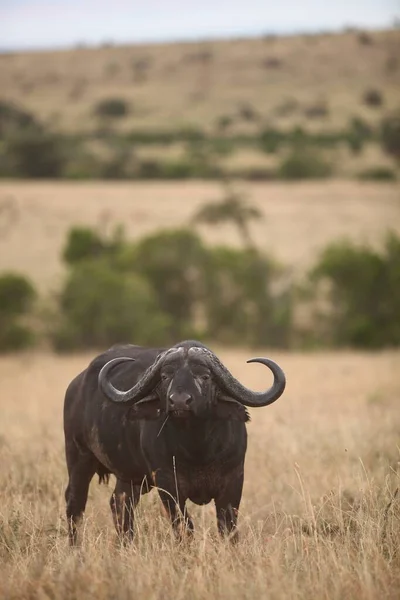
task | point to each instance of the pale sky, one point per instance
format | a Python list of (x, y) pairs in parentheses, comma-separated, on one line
[(58, 23)]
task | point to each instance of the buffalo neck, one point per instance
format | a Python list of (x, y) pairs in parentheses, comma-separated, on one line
[(201, 441)]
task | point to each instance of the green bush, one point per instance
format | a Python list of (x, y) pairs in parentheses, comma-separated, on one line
[(363, 294), (33, 153), (165, 136), (179, 169), (355, 143), (223, 294), (378, 174), (239, 304), (299, 138), (169, 286), (17, 295), (82, 164), (373, 98), (12, 118), (28, 149), (357, 134), (117, 165), (191, 134), (112, 108), (302, 163), (204, 154), (84, 243), (222, 146), (152, 136), (185, 168), (224, 122), (271, 140), (390, 135), (171, 262), (14, 337), (100, 306), (255, 173), (326, 139), (149, 169)]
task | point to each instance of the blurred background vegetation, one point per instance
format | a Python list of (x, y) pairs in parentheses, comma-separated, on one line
[(169, 286), (31, 148), (251, 110), (292, 107)]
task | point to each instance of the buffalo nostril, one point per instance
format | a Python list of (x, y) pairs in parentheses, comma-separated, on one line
[(180, 399)]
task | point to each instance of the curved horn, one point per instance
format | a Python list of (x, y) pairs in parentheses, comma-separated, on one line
[(138, 391), (239, 392), (145, 384)]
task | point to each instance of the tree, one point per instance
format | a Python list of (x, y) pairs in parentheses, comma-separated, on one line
[(233, 208), (363, 293), (240, 302), (17, 296), (100, 306), (84, 243), (171, 261)]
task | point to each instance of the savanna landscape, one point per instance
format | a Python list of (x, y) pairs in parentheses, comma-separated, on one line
[(320, 513)]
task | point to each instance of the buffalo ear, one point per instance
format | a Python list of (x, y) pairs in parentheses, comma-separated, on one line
[(150, 409), (231, 410)]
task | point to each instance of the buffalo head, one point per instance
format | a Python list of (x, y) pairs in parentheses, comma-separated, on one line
[(189, 380)]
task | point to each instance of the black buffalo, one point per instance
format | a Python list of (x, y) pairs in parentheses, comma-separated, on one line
[(180, 427)]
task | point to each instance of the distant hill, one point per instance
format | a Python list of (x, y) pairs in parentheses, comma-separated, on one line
[(316, 81)]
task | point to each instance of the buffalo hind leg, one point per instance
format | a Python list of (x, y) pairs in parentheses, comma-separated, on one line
[(81, 468), (123, 502), (227, 506)]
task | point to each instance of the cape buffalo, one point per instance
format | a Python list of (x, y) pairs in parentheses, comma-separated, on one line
[(173, 419)]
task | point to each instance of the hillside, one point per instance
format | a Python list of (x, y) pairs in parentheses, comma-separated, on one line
[(200, 110), (311, 80)]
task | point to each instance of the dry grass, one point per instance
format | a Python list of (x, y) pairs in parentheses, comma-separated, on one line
[(197, 83), (319, 519), (299, 218)]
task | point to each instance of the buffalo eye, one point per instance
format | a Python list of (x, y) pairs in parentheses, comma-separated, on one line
[(164, 376), (205, 377)]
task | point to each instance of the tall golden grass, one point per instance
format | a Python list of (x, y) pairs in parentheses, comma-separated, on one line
[(320, 515)]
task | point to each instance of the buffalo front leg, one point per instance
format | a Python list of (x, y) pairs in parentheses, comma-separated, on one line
[(123, 502), (174, 506), (81, 468), (227, 506)]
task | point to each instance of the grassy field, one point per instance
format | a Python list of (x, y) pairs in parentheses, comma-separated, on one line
[(280, 78), (298, 219), (320, 517)]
